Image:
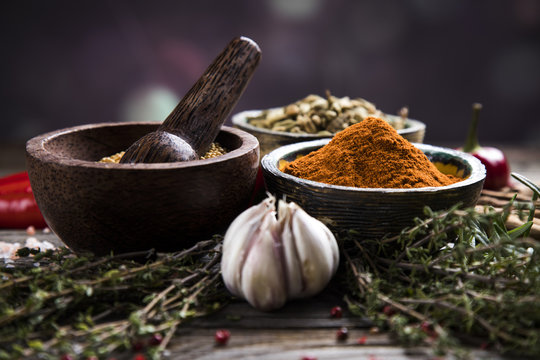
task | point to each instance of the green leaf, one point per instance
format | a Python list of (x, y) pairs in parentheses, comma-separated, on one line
[(522, 179), (111, 274), (520, 231), (36, 345)]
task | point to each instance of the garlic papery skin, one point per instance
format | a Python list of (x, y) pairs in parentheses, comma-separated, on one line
[(267, 260)]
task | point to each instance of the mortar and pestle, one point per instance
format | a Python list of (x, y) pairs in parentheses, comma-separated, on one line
[(160, 195)]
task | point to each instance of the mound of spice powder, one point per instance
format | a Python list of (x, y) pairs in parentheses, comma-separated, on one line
[(370, 154)]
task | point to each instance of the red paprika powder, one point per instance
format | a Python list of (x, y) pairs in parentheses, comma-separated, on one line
[(370, 154)]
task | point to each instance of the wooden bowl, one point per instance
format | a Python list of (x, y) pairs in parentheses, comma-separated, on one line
[(103, 207), (374, 213), (270, 140)]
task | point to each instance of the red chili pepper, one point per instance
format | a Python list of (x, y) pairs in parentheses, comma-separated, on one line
[(18, 208), (497, 168)]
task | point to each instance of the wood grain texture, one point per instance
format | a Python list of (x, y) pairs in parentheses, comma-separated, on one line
[(193, 125), (295, 344)]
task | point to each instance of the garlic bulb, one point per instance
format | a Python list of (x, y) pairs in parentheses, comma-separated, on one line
[(267, 260)]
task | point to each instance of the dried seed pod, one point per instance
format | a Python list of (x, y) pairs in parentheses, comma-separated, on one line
[(336, 107), (285, 124), (330, 114), (320, 104), (345, 103), (336, 124), (274, 115), (325, 133), (309, 126), (321, 113), (304, 108), (311, 98), (259, 123), (316, 119), (292, 110)]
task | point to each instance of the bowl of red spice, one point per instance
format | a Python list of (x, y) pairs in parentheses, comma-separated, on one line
[(371, 179), (104, 207)]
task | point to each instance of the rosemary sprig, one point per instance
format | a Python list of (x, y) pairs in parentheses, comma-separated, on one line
[(64, 306), (457, 277)]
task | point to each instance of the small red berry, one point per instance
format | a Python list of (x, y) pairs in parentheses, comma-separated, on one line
[(222, 337), (342, 334), (389, 310), (137, 346), (428, 329), (336, 312), (155, 340), (425, 326), (139, 357), (362, 340), (66, 357), (309, 358)]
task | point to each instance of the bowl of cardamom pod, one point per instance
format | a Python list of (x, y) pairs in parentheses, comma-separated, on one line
[(96, 204), (316, 117), (370, 179)]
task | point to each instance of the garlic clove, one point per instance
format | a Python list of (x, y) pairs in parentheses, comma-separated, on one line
[(317, 250), (291, 262), (240, 238), (262, 275)]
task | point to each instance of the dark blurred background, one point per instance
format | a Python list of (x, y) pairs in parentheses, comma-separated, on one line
[(66, 63)]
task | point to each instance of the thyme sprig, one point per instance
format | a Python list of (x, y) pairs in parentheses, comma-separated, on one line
[(457, 276), (86, 306)]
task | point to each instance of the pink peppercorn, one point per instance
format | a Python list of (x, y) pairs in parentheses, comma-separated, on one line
[(336, 312), (222, 337), (155, 340), (342, 334)]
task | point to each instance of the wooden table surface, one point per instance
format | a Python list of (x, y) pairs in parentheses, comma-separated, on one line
[(302, 328)]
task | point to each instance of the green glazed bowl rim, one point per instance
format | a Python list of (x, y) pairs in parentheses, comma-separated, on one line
[(270, 162), (240, 120)]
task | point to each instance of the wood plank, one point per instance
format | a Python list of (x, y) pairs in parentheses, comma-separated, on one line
[(193, 343), (303, 313)]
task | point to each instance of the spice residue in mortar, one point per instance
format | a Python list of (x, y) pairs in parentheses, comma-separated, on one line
[(370, 154), (215, 150)]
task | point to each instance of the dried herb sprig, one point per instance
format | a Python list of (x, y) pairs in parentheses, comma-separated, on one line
[(458, 276), (64, 305)]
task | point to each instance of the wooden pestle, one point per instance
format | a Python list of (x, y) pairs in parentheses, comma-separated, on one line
[(193, 125)]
